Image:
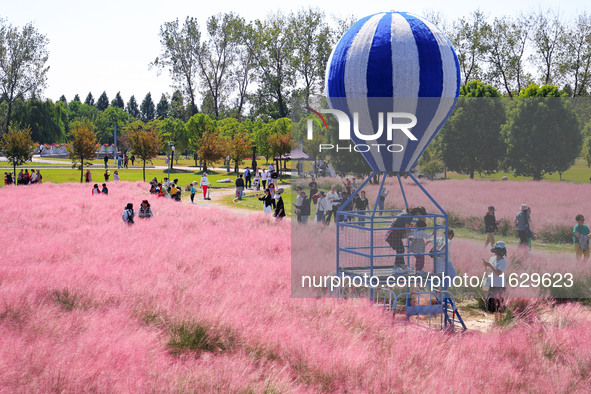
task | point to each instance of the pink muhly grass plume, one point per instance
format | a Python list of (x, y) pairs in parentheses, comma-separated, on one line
[(198, 299)]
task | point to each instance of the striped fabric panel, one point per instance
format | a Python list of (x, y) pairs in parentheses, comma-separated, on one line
[(399, 58)]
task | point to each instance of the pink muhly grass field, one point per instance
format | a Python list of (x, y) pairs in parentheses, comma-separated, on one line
[(88, 303), (552, 203)]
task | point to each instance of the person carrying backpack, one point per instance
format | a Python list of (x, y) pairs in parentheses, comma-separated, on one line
[(128, 214)]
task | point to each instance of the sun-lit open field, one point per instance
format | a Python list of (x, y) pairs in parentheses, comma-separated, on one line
[(198, 299)]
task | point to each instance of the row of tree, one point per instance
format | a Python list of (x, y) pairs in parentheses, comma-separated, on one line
[(237, 68), (209, 139), (539, 131)]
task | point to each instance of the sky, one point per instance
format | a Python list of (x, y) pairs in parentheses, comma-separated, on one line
[(97, 46)]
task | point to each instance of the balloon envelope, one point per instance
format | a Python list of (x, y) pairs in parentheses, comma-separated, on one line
[(393, 62)]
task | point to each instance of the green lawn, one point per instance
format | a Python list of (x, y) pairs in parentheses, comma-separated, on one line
[(251, 202), (58, 175), (578, 173)]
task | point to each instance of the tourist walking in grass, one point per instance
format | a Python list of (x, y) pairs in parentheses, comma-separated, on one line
[(239, 187), (495, 280), (304, 208), (247, 178), (331, 197), (105, 191), (581, 238), (193, 192), (268, 202), (88, 176), (279, 207), (322, 206), (107, 175), (116, 175), (95, 190), (490, 226), (204, 184), (523, 224), (106, 159), (264, 176)]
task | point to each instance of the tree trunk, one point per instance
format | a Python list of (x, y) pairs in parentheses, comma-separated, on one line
[(144, 170), (204, 165), (81, 170), (14, 173), (171, 159), (8, 114), (471, 173)]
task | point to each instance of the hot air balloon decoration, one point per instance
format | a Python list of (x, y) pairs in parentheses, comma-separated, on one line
[(392, 81)]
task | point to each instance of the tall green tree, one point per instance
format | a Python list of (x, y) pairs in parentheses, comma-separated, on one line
[(216, 56), (505, 46), (89, 99), (132, 108), (118, 101), (63, 99), (145, 144), (177, 106), (77, 98), (468, 38), (23, 58), (48, 122), (181, 47), (162, 108), (547, 37), (196, 126), (244, 67), (239, 147), (311, 49), (542, 132), (103, 102), (17, 146), (173, 131), (107, 120), (272, 43), (148, 111), (574, 55), (83, 145), (471, 139), (211, 148)]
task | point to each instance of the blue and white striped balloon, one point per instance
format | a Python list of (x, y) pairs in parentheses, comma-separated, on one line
[(394, 62)]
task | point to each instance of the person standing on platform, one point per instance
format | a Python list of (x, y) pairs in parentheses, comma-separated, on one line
[(398, 229)]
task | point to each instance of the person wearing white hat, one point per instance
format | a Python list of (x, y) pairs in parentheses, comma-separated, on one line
[(495, 280), (204, 184), (523, 224)]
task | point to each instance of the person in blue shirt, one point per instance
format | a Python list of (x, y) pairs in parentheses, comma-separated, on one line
[(581, 238)]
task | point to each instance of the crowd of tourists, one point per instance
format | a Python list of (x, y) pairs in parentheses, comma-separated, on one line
[(23, 178)]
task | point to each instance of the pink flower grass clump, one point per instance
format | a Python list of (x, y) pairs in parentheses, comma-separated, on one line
[(198, 299), (553, 204)]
